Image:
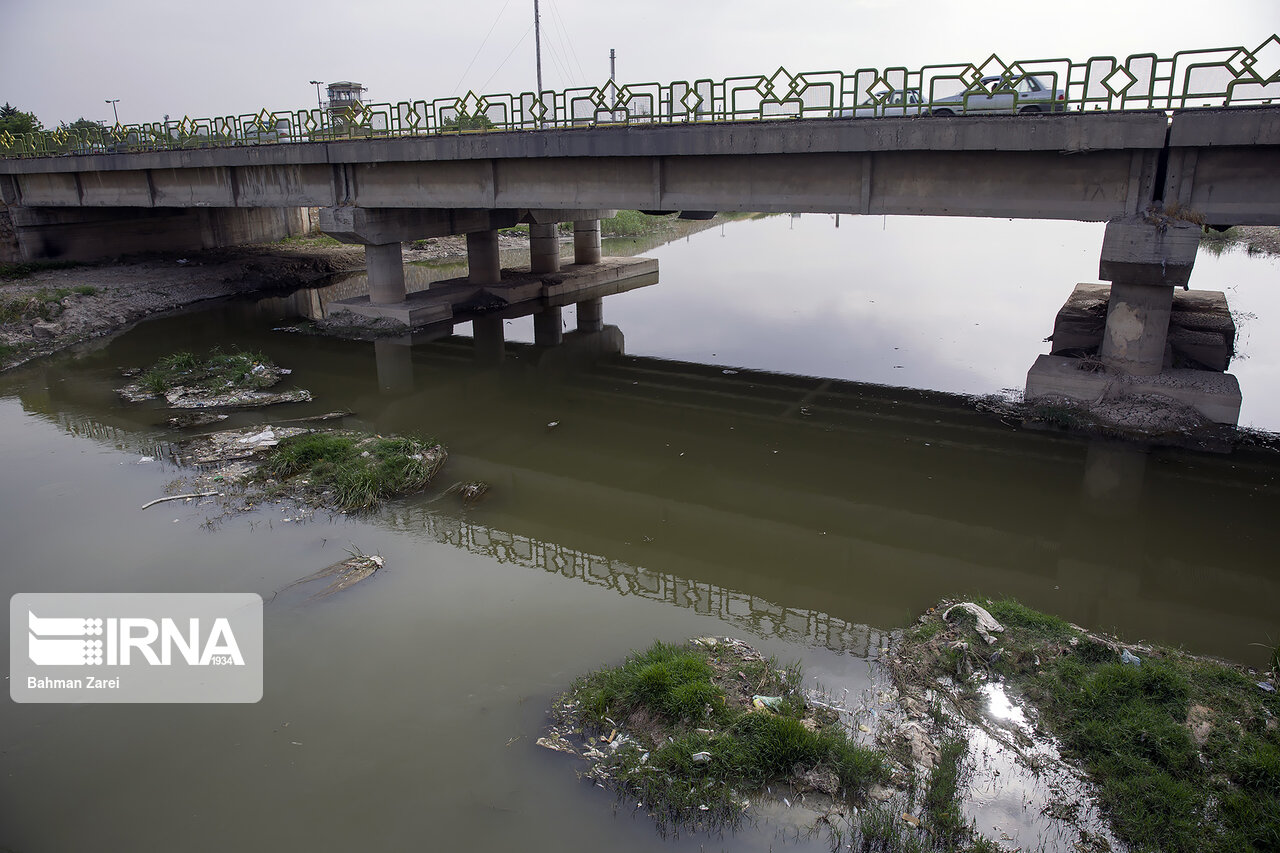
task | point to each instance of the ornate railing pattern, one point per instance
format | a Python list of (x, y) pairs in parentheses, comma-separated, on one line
[(1216, 77)]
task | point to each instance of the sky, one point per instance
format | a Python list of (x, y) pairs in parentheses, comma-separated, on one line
[(63, 60)]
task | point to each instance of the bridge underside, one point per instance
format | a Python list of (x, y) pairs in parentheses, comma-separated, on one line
[(1216, 166)]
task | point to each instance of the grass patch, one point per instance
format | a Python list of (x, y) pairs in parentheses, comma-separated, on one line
[(695, 749), (219, 371), (44, 304), (355, 471), (630, 223), (26, 269), (310, 240), (1185, 752)]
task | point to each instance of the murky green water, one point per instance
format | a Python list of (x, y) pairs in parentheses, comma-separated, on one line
[(671, 499)]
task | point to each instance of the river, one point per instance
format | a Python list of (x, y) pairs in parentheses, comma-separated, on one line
[(728, 475)]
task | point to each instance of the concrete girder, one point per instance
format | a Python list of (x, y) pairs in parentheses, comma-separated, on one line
[(382, 225)]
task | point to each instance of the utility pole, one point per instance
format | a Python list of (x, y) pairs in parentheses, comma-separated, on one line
[(537, 47), (613, 95)]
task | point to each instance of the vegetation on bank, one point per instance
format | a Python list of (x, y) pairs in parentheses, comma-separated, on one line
[(44, 304), (1184, 752), (349, 470), (26, 269), (695, 748), (1252, 240), (695, 732), (215, 373)]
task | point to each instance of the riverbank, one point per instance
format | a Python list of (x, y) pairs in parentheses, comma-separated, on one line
[(46, 307), (980, 710)]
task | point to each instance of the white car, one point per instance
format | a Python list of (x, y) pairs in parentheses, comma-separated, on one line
[(1023, 95), (898, 102)]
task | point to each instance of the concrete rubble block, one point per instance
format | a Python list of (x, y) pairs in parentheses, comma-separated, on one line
[(1201, 330), (1137, 251)]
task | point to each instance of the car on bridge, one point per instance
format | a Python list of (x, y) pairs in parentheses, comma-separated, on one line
[(1023, 95), (896, 102)]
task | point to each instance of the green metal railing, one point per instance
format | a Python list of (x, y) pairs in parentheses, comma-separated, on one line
[(1217, 77)]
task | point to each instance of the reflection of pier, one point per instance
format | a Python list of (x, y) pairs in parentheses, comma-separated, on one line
[(749, 612)]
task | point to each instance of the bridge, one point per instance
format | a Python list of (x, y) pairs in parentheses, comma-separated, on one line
[(1203, 146)]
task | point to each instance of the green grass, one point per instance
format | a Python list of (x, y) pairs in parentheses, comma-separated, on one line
[(670, 698), (310, 239), (216, 372), (26, 269), (360, 471), (1128, 727), (44, 304)]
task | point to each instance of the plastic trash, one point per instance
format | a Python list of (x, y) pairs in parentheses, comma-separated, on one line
[(700, 757), (1128, 657), (987, 624), (772, 703), (1267, 686)]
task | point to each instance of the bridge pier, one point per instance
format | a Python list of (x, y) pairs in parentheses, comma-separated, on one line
[(1144, 258), (483, 261), (544, 248), (586, 241), (385, 263)]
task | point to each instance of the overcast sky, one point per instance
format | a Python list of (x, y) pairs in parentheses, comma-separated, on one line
[(62, 59)]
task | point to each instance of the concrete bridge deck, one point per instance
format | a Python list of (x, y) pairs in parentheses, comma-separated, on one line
[(1088, 166)]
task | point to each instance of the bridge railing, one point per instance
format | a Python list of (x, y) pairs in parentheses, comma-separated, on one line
[(1216, 77)]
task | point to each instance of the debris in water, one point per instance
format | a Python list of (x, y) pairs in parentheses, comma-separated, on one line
[(345, 573)]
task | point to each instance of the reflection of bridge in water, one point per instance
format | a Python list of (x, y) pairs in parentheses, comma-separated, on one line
[(743, 610)]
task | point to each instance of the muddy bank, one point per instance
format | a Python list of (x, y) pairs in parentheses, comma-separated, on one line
[(54, 307)]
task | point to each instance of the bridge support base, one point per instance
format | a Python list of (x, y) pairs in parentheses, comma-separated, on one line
[(1127, 379)]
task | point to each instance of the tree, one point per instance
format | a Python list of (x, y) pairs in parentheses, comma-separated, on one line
[(15, 121), (465, 121)]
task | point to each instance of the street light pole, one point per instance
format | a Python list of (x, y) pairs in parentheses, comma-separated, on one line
[(114, 111), (318, 84)]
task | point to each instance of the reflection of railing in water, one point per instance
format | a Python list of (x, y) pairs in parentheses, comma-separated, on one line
[(748, 612)]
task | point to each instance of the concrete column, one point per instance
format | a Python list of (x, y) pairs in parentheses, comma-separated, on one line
[(1137, 327), (544, 248), (591, 315), (487, 335), (483, 266), (1144, 258), (548, 327), (386, 273), (586, 241)]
